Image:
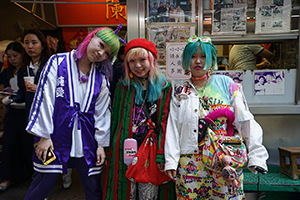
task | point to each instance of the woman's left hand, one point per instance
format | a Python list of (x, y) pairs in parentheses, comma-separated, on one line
[(32, 88), (161, 167), (100, 156)]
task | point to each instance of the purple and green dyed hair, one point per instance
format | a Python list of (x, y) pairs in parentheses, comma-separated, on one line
[(106, 35), (110, 38)]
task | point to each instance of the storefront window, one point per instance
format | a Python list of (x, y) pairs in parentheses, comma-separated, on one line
[(168, 21), (177, 20)]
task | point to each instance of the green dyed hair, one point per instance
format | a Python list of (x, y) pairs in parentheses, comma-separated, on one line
[(111, 39), (206, 48)]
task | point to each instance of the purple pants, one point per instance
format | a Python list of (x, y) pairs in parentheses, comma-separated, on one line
[(43, 183)]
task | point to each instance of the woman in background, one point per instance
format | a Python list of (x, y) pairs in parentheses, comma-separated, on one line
[(37, 52), (17, 143)]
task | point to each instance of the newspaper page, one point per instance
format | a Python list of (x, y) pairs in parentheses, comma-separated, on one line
[(273, 16), (229, 17)]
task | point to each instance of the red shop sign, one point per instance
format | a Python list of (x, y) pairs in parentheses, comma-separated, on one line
[(91, 14)]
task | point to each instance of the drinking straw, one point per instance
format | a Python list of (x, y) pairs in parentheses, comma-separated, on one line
[(28, 71)]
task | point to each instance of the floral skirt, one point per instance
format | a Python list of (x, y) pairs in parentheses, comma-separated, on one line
[(195, 181)]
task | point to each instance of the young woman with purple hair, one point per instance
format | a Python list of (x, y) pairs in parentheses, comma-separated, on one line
[(71, 115)]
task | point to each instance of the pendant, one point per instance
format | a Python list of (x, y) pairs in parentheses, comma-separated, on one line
[(84, 78), (134, 127), (205, 98)]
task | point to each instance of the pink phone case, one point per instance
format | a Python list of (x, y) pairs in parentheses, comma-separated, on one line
[(130, 149)]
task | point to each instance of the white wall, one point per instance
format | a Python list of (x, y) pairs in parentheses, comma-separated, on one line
[(279, 131)]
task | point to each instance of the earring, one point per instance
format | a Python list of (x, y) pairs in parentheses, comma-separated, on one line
[(187, 72), (131, 75)]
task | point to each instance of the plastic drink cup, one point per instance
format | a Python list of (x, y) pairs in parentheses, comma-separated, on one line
[(29, 80)]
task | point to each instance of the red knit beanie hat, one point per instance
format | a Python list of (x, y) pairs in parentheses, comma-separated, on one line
[(143, 43)]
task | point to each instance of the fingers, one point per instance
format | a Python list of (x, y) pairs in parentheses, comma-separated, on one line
[(32, 87), (171, 174), (232, 187), (100, 160), (100, 156), (41, 153), (161, 167), (42, 148)]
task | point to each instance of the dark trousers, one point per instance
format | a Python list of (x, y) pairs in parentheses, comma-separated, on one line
[(17, 146), (43, 183)]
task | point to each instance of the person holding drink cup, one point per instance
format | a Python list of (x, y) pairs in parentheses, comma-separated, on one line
[(16, 141), (37, 52)]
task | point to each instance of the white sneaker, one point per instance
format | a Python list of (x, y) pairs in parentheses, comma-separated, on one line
[(67, 180)]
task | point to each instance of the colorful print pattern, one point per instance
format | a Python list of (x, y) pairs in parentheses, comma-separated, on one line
[(196, 182)]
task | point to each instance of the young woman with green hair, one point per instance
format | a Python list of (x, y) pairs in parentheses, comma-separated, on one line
[(205, 105)]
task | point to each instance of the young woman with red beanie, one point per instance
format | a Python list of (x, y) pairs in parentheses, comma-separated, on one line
[(142, 98)]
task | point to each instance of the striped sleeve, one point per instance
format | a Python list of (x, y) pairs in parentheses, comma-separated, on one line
[(40, 119)]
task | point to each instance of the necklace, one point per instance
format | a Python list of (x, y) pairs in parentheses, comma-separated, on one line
[(204, 97), (208, 73), (143, 79), (135, 121), (84, 78)]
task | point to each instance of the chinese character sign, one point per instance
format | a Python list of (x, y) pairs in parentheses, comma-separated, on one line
[(173, 61), (93, 13)]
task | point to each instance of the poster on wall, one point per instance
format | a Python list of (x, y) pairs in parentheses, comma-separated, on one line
[(170, 11), (269, 83), (173, 61), (229, 17), (161, 35), (273, 16), (237, 76)]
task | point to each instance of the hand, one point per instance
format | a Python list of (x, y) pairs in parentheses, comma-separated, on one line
[(172, 174), (32, 88), (100, 156), (161, 166), (42, 148), (260, 170), (230, 176)]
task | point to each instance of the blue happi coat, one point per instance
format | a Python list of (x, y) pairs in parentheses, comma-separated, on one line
[(55, 112)]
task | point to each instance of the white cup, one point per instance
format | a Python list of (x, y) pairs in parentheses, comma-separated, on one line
[(29, 80)]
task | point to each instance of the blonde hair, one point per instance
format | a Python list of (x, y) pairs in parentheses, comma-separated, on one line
[(155, 79)]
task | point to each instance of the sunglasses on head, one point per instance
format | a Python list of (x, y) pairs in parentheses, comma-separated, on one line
[(202, 39)]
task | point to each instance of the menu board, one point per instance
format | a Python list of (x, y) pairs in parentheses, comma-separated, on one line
[(174, 59)]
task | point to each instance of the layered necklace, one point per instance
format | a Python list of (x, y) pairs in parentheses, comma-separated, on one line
[(135, 121), (202, 90)]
